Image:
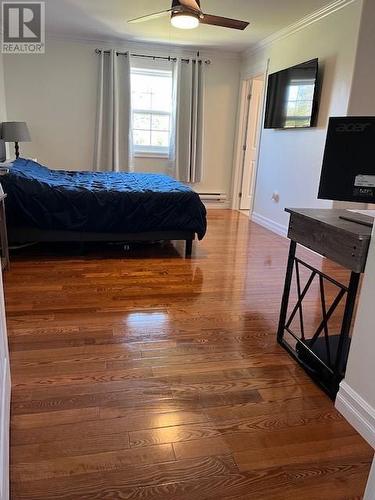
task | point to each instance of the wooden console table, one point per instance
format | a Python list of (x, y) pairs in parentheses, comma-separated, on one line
[(322, 354)]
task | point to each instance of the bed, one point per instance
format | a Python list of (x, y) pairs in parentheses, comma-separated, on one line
[(57, 205)]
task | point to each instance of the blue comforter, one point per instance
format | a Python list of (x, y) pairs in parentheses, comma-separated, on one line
[(105, 202)]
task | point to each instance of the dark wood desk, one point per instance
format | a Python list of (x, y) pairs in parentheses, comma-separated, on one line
[(322, 354)]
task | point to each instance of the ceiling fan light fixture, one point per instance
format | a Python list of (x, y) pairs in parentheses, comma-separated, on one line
[(184, 21)]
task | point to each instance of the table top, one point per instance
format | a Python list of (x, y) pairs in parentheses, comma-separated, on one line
[(331, 217)]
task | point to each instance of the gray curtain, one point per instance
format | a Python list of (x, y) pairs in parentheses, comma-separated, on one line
[(112, 136), (189, 120)]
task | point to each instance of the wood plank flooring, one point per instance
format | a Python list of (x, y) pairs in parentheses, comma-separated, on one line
[(142, 375)]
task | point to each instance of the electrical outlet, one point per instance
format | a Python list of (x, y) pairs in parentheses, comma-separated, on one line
[(275, 197)]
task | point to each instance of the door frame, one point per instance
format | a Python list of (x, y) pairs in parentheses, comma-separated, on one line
[(5, 391), (242, 123)]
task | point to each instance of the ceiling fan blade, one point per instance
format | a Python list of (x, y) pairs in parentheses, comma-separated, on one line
[(149, 17), (224, 22), (191, 4)]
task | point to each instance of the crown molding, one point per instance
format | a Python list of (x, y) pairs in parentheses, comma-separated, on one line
[(297, 26)]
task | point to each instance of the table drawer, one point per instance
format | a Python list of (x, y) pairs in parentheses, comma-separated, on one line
[(343, 247)]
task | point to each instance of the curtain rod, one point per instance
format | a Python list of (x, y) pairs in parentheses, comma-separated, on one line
[(172, 59)]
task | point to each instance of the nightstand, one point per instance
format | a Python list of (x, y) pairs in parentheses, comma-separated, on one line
[(3, 233)]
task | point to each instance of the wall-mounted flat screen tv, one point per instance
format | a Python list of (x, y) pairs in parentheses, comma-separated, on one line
[(292, 97)]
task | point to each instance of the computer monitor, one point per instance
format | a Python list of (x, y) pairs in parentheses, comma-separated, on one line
[(348, 172)]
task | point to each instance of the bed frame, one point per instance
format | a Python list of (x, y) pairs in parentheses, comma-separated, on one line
[(23, 235)]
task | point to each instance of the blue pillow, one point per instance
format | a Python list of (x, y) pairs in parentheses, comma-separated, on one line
[(29, 168)]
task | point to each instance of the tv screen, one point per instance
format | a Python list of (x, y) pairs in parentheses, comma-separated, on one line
[(292, 97), (348, 172)]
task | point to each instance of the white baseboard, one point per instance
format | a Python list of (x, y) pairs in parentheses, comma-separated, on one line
[(269, 224), (357, 412), (225, 205)]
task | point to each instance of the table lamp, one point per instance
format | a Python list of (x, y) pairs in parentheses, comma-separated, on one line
[(15, 132)]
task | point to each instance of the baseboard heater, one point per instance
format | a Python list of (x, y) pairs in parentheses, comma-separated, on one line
[(213, 197)]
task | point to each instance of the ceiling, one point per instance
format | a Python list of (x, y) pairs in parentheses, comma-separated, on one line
[(106, 20)]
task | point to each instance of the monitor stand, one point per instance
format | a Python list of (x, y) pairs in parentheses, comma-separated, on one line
[(358, 218)]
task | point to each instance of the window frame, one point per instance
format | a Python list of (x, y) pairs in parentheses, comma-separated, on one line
[(299, 118), (150, 151)]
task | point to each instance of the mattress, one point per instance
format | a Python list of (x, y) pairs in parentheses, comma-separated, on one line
[(108, 202)]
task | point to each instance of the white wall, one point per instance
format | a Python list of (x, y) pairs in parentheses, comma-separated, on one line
[(3, 108), (361, 372), (356, 397), (5, 390), (290, 160), (4, 355), (362, 96), (370, 488), (3, 112), (55, 94)]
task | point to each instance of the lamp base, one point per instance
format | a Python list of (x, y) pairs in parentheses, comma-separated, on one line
[(17, 149)]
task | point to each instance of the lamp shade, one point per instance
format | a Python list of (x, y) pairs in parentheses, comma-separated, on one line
[(15, 132)]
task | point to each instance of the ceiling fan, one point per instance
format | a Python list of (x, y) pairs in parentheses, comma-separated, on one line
[(187, 14)]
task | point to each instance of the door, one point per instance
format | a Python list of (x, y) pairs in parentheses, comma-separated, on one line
[(251, 144)]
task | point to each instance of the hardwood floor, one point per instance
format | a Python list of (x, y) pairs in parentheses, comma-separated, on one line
[(142, 375)]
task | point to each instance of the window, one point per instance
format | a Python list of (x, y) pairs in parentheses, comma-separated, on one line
[(299, 103), (151, 110)]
